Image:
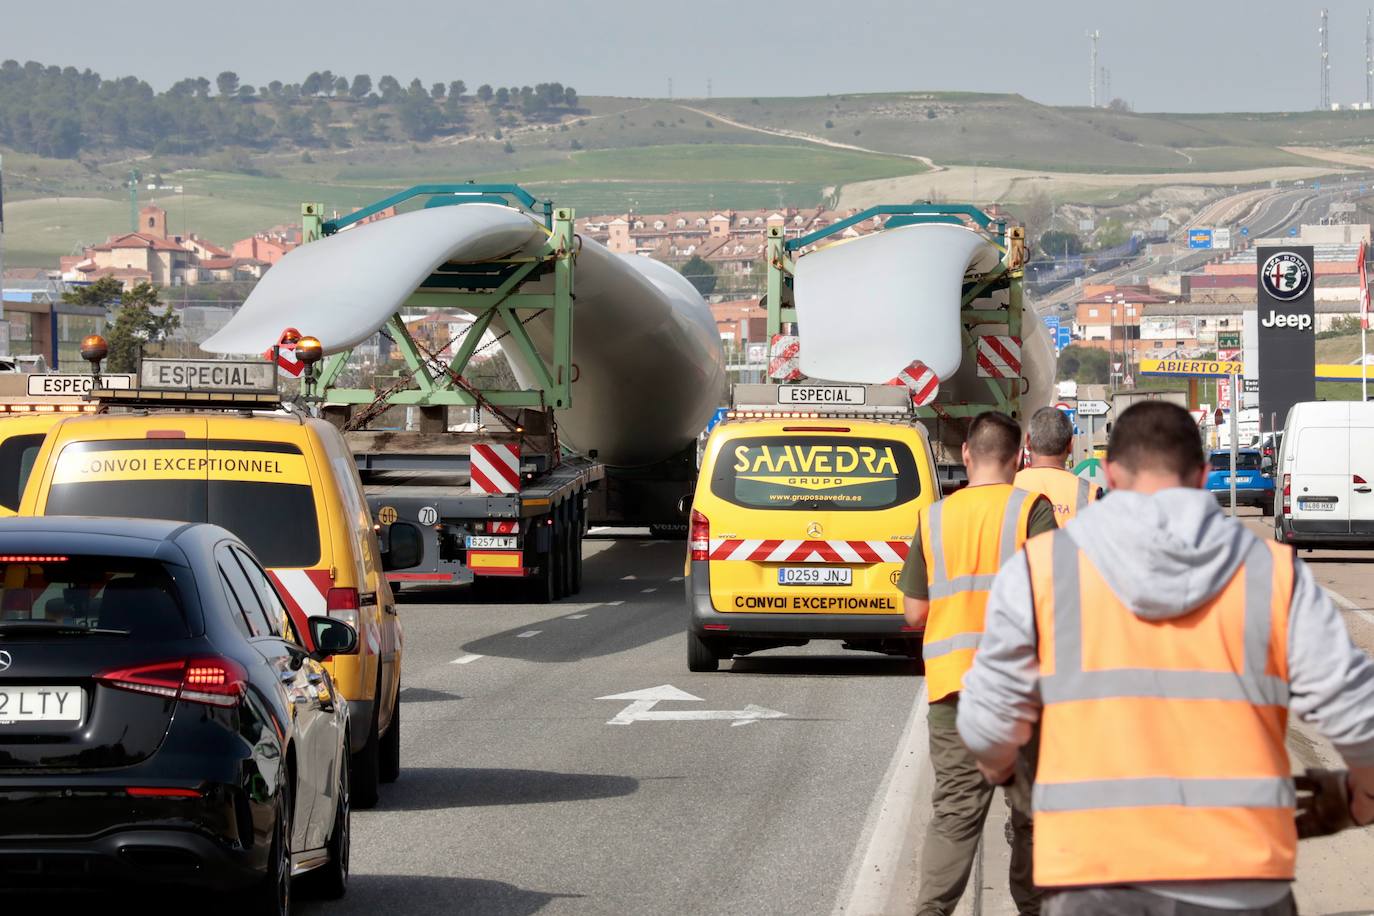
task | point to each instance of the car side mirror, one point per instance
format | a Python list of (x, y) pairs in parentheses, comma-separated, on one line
[(332, 637), (403, 546)]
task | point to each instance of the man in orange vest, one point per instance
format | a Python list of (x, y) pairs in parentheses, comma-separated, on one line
[(1049, 442), (1160, 647), (960, 543)]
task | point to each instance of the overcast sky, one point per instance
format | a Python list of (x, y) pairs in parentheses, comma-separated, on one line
[(1165, 55)]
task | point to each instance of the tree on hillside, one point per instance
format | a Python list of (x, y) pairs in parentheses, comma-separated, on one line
[(457, 88), (275, 88), (1037, 211), (438, 91), (362, 85), (390, 88), (327, 81), (1112, 233), (227, 83), (312, 84), (419, 117), (570, 97), (417, 88), (700, 274), (503, 96), (1086, 365), (1057, 243), (341, 86), (246, 93), (102, 294), (484, 93)]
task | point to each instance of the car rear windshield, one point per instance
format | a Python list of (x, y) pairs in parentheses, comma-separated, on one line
[(815, 472), (1221, 461), (258, 490), (136, 596)]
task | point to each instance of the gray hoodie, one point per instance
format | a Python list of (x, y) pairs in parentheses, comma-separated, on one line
[(1163, 555)]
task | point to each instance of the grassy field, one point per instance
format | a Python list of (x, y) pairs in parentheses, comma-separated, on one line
[(658, 154)]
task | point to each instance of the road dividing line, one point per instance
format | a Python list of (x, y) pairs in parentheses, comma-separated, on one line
[(675, 579), (575, 617), (628, 578), (645, 591), (879, 877), (615, 603), (528, 633), (466, 660), (1349, 605)]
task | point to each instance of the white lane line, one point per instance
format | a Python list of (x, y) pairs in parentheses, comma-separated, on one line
[(615, 603), (645, 591), (628, 578), (675, 579), (466, 660), (1349, 605), (527, 634), (575, 617), (894, 827)]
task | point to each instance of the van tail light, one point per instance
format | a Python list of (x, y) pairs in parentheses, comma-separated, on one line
[(700, 536), (1287, 494), (1359, 480), (160, 792), (503, 526), (342, 604), (211, 681)]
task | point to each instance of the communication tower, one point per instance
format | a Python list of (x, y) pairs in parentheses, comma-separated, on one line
[(1093, 36), (1325, 45)]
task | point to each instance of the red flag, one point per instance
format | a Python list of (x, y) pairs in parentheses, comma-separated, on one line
[(1364, 287)]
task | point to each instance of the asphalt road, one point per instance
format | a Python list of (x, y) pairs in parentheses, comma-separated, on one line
[(518, 797)]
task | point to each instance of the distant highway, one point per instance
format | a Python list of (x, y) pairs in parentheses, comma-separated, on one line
[(1270, 215)]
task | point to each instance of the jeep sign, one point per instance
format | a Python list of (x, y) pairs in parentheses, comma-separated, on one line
[(1285, 311)]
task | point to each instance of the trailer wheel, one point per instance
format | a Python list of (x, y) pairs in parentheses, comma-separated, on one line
[(540, 588), (576, 564)]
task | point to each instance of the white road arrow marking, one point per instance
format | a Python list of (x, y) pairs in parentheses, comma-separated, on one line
[(642, 702)]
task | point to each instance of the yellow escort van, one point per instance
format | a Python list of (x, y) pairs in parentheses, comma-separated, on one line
[(287, 486), (801, 522), (21, 436)]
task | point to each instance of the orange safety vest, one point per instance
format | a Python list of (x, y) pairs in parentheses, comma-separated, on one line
[(1161, 741), (965, 538), (1066, 490)]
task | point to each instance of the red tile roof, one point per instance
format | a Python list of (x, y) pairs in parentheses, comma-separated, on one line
[(138, 240)]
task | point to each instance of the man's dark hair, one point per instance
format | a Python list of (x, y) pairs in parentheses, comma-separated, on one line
[(994, 436), (1156, 436), (1050, 433)]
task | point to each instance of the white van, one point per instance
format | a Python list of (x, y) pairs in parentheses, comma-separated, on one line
[(1325, 475)]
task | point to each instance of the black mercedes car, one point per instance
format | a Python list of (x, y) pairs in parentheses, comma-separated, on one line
[(160, 720)]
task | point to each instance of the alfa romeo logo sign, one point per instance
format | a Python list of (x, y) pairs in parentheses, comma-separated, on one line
[(1286, 276)]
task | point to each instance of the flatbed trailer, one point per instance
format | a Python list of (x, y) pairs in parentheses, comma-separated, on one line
[(504, 506)]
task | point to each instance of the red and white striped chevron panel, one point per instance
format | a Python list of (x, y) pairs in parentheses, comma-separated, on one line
[(761, 551), (783, 362), (924, 384), (999, 356), (305, 592), (494, 468)]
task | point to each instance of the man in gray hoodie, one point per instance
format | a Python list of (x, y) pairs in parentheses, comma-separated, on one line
[(1160, 647)]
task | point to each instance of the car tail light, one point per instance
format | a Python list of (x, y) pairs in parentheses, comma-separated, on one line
[(700, 536), (1287, 494), (342, 604), (212, 681), (1359, 480), (31, 558), (508, 526), (160, 792)]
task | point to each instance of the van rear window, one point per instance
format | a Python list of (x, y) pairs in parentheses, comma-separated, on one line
[(16, 461), (815, 472), (259, 491)]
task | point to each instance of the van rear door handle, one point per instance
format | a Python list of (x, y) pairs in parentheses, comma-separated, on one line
[(1364, 490)]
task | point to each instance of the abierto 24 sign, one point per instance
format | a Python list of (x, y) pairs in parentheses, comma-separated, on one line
[(1192, 368)]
